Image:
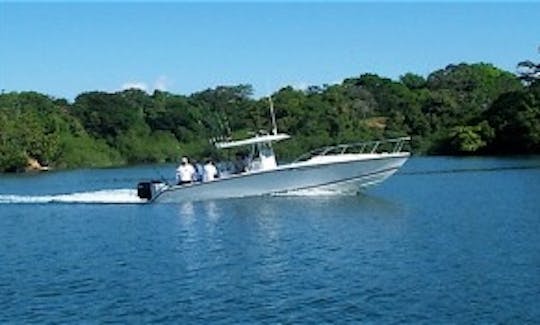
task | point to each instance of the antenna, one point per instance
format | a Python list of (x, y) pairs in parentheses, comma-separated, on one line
[(274, 126)]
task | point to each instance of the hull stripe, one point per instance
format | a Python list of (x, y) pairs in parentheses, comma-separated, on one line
[(343, 180)]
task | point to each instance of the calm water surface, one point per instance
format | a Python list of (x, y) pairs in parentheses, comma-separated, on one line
[(446, 240)]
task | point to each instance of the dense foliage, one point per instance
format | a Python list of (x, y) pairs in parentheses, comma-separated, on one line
[(462, 109)]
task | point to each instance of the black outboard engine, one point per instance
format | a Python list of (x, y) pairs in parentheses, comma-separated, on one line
[(147, 190)]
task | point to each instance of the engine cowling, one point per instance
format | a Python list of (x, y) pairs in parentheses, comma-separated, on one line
[(147, 190)]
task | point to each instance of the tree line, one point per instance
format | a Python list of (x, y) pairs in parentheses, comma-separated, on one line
[(463, 109)]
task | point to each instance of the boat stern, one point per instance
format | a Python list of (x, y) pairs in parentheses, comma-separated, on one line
[(149, 189)]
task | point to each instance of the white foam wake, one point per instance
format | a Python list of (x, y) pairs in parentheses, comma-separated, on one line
[(118, 196)]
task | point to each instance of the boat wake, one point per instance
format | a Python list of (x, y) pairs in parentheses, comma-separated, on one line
[(117, 196)]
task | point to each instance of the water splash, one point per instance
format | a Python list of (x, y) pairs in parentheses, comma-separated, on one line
[(116, 196)]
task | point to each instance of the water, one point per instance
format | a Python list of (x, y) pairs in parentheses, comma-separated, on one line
[(446, 240)]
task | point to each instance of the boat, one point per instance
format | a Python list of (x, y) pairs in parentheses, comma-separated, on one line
[(343, 168)]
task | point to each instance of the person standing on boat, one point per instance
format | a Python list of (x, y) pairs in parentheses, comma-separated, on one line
[(199, 171), (185, 173), (240, 163), (210, 171)]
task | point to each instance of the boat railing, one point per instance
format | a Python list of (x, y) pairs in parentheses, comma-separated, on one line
[(394, 145)]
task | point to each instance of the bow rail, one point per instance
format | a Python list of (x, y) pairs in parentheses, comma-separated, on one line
[(367, 147)]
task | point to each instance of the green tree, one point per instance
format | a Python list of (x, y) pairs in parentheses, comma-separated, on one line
[(227, 107), (515, 116), (177, 115), (105, 115), (470, 139), (413, 81), (461, 109)]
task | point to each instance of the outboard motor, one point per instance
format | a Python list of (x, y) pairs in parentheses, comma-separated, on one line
[(147, 190)]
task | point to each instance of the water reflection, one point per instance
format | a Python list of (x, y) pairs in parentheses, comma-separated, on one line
[(263, 208), (362, 204), (379, 205), (211, 211), (186, 210), (233, 227)]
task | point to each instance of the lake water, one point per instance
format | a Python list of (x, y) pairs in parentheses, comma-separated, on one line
[(445, 240)]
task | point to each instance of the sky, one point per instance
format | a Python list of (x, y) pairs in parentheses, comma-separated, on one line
[(64, 49)]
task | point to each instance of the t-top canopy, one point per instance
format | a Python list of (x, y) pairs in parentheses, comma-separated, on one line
[(254, 140)]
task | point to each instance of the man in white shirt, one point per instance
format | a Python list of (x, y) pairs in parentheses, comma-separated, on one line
[(185, 172), (210, 171)]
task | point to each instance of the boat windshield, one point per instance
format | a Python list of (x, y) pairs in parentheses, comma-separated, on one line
[(262, 157)]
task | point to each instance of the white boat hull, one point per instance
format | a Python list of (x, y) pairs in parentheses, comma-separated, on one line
[(348, 175)]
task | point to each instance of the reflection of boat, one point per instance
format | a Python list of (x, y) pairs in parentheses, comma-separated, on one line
[(341, 168)]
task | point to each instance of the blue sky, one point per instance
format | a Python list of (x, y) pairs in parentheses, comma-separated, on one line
[(63, 49)]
